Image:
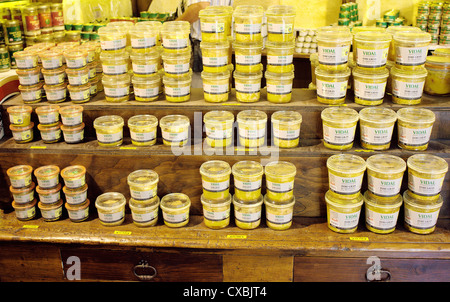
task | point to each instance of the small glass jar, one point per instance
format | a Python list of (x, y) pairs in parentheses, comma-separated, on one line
[(147, 88), (71, 115), (20, 176), (51, 59), (143, 129), (385, 175), (56, 93), (212, 24), (247, 177), (414, 128), (216, 213), (75, 196), (146, 64), (117, 88), (215, 179), (280, 176), (50, 134), (407, 86), (73, 134), (176, 64), (25, 211), (407, 43), (175, 209), (145, 37), (49, 196), (372, 50), (75, 58), (279, 214), (248, 22), (175, 36), (247, 214), (109, 130), (115, 63), (345, 175), (280, 56), (177, 89), (332, 86), (381, 216), (80, 93), (175, 130), (248, 86), (111, 208), (79, 212), (22, 134), (339, 127), (19, 115), (438, 79), (280, 23), (91, 50), (31, 94), (94, 82), (29, 77), (216, 86), (333, 47), (343, 214), (248, 56), (112, 39), (252, 128), (92, 67), (219, 128), (54, 76), (215, 56), (421, 216), (279, 86), (74, 176), (23, 195), (369, 86), (376, 127), (47, 176), (286, 128), (26, 59), (144, 214), (78, 76), (143, 184)]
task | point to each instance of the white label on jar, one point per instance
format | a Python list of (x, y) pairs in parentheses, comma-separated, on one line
[(109, 138), (424, 187), (407, 91), (79, 96), (45, 183), (117, 92), (20, 182), (145, 42), (218, 133), (376, 136), (216, 216), (143, 137), (51, 135), (72, 120), (73, 137), (144, 68), (78, 214), (78, 79), (51, 63), (247, 217), (248, 87), (22, 135), (16, 118), (369, 92), (246, 29), (252, 133), (278, 218), (115, 69), (76, 63), (381, 221), (280, 60), (280, 187), (26, 214), (175, 137), (248, 60), (113, 45), (279, 89), (215, 186), (215, 61), (54, 79), (372, 57), (280, 28), (176, 68), (343, 221), (175, 218), (142, 195), (145, 217), (338, 136), (411, 56), (175, 43), (50, 198), (384, 187), (331, 90), (290, 134), (216, 27), (75, 183), (24, 198), (345, 185), (26, 63), (29, 80), (146, 92), (111, 217), (215, 89), (48, 118), (76, 199), (177, 91), (333, 55), (413, 136), (420, 220), (29, 96), (55, 95), (247, 186)]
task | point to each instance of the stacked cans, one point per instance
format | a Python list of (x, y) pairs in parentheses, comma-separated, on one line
[(434, 18)]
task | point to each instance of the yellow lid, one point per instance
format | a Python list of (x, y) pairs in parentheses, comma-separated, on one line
[(214, 168), (416, 115), (280, 169), (351, 164), (247, 168)]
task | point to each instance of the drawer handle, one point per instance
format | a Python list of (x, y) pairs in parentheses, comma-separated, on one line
[(143, 266), (376, 273)]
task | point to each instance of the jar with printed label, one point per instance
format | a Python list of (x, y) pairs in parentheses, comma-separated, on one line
[(420, 216), (248, 21), (112, 39), (247, 214), (280, 56), (49, 196), (396, 29), (146, 64), (279, 214), (345, 175), (175, 209), (23, 195), (219, 128), (109, 130), (111, 208), (26, 59), (75, 196), (376, 126), (19, 115), (116, 63), (248, 86), (280, 176), (20, 176), (73, 134), (438, 79), (343, 214), (75, 58), (280, 23), (50, 134), (47, 176), (71, 115), (372, 50), (215, 179), (381, 216), (215, 56), (143, 129), (78, 76), (212, 24), (339, 126), (366, 29), (279, 86), (333, 44), (411, 49), (56, 93), (385, 175), (216, 86), (178, 89), (369, 86), (331, 86), (25, 211), (175, 36), (252, 128), (80, 93), (248, 56), (51, 59), (286, 128), (144, 214), (74, 176), (176, 64), (79, 212), (247, 177), (143, 184), (414, 128), (216, 212), (147, 88), (54, 76), (29, 77), (117, 87), (407, 85), (175, 130), (145, 37), (22, 134)]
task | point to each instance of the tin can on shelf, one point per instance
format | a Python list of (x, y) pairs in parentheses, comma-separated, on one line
[(5, 63), (13, 33)]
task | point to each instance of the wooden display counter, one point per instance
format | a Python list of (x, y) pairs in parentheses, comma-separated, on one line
[(308, 251)]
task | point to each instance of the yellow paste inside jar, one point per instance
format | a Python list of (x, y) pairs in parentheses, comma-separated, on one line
[(333, 47), (143, 184), (47, 176), (331, 86), (219, 128), (247, 177), (115, 63), (146, 64), (111, 208), (438, 79), (74, 176), (22, 134), (144, 214), (50, 134), (175, 36), (71, 115), (421, 216), (80, 93), (407, 85), (248, 21), (414, 128), (109, 130), (25, 211), (286, 128), (51, 212), (213, 23), (143, 129), (411, 49), (117, 88), (426, 174), (215, 179), (280, 56), (385, 175), (279, 214), (247, 214), (339, 126), (369, 86), (280, 176), (345, 175), (248, 56), (175, 130), (20, 115), (343, 214), (178, 89), (20, 176), (215, 56), (251, 128), (78, 213), (177, 64), (371, 50), (216, 213), (279, 86), (247, 86), (147, 88), (280, 23), (395, 29), (376, 127), (381, 216), (216, 86), (175, 209)]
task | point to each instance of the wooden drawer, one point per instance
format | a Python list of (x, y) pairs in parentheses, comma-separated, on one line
[(167, 266), (329, 269)]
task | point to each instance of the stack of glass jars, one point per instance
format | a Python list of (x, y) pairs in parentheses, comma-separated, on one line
[(77, 72)]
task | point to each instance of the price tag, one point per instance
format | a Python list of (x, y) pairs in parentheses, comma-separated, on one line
[(122, 233)]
